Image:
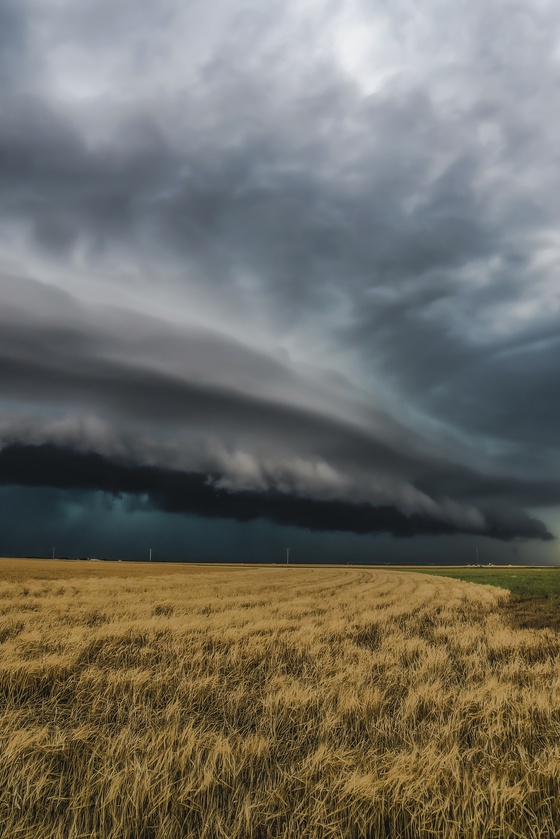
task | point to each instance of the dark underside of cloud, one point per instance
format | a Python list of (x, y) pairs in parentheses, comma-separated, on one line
[(192, 493)]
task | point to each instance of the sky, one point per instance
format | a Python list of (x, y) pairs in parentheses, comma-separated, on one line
[(279, 275)]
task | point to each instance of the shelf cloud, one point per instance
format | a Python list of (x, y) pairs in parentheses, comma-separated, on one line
[(295, 264)]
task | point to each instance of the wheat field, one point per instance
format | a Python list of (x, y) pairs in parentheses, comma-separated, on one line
[(163, 702)]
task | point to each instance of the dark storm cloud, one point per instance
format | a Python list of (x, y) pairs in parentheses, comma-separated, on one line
[(129, 366), (242, 181), (300, 236), (246, 419), (298, 218), (180, 492), (229, 409)]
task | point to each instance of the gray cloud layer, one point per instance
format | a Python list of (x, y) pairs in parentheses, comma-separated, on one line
[(124, 386), (304, 251)]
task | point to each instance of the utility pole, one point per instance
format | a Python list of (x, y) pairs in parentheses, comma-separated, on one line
[(150, 554), (287, 556)]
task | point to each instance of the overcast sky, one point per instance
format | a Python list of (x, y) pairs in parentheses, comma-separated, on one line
[(280, 272)]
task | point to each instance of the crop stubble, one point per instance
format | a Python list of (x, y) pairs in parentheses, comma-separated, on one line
[(162, 702)]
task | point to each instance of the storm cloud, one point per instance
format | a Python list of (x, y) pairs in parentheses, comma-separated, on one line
[(181, 492), (296, 263)]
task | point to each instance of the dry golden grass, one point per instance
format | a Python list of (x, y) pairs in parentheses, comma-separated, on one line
[(166, 702)]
